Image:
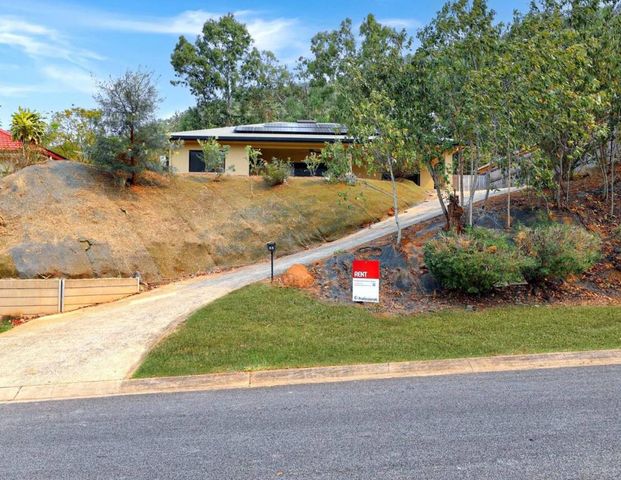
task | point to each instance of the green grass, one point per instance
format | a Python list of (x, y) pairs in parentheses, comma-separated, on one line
[(261, 327), (5, 325)]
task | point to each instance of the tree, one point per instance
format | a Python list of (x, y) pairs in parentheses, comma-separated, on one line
[(255, 164), (371, 95), (567, 97), (331, 51), (72, 132), (269, 86), (130, 138), (214, 156), (231, 79), (381, 145), (27, 127), (456, 46)]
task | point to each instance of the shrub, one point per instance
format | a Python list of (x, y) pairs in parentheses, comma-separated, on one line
[(474, 262), (338, 163), (557, 251), (276, 172), (214, 156)]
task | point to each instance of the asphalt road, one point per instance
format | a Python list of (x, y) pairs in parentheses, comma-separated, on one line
[(545, 424)]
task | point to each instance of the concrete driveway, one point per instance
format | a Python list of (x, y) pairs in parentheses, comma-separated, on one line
[(108, 341)]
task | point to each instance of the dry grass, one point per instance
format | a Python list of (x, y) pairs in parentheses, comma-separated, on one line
[(170, 227)]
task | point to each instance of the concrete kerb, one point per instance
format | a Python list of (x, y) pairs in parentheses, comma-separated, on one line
[(298, 376)]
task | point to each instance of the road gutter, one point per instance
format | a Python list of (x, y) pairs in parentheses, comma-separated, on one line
[(298, 376)]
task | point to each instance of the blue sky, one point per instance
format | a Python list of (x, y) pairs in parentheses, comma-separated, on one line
[(51, 53)]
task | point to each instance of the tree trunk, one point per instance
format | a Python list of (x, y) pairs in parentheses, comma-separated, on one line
[(508, 188), (612, 177), (603, 165), (438, 189), (461, 177), (473, 184), (395, 200), (559, 180), (569, 169), (488, 177), (132, 157)]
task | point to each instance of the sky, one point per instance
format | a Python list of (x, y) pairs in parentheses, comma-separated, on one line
[(53, 53)]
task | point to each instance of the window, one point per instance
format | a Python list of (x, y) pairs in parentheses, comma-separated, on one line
[(197, 164)]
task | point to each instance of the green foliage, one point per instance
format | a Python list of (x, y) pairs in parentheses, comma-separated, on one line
[(313, 161), (482, 259), (232, 81), (276, 172), (73, 132), (254, 159), (557, 251), (338, 161), (475, 262), (130, 140), (27, 126), (214, 156)]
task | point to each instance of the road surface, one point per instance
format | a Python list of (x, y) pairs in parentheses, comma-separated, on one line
[(544, 424)]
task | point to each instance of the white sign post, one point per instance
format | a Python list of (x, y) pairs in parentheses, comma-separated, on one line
[(365, 281)]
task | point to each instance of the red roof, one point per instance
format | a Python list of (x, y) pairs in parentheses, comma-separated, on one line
[(7, 143)]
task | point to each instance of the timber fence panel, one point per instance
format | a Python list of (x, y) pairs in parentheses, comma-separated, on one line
[(29, 297), (83, 292), (41, 297)]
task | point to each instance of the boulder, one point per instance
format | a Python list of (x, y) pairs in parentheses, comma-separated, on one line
[(404, 280), (298, 276)]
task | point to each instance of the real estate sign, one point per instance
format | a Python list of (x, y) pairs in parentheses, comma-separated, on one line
[(365, 281)]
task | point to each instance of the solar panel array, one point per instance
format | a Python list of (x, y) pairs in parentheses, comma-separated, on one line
[(300, 127)]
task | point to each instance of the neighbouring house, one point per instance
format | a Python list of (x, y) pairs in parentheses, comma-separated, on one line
[(292, 141), (11, 150)]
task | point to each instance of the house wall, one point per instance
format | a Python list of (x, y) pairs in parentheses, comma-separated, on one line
[(296, 152), (236, 158)]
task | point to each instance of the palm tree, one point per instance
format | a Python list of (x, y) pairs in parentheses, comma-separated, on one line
[(27, 127)]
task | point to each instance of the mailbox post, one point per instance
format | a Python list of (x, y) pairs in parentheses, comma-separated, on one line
[(271, 247)]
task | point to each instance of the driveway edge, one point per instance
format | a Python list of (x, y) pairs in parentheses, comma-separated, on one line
[(297, 376)]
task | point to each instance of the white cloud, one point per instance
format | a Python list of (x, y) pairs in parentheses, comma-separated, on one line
[(71, 78), (275, 34), (17, 90), (38, 41), (407, 23), (189, 22)]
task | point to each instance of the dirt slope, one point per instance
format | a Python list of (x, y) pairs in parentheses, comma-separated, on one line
[(67, 219)]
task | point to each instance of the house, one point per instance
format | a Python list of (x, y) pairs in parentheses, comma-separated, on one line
[(10, 149), (292, 141)]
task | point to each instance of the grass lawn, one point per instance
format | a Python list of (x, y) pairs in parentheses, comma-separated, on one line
[(263, 327)]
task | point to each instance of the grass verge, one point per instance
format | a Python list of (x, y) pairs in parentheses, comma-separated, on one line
[(262, 327), (5, 325)]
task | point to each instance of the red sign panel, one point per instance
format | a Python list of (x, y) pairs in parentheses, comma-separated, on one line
[(366, 269)]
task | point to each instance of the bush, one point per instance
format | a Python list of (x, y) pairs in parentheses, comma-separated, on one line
[(276, 172), (474, 262), (557, 251), (338, 163)]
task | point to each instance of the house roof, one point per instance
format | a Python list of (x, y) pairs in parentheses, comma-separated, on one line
[(307, 131), (7, 143)]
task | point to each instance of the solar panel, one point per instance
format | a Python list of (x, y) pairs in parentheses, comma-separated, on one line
[(304, 127)]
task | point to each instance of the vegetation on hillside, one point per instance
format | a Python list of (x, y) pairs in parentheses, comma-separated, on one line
[(538, 97), (482, 259), (67, 219)]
